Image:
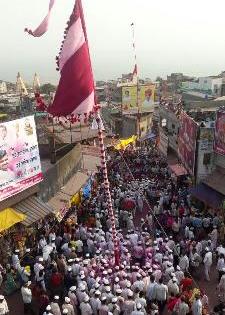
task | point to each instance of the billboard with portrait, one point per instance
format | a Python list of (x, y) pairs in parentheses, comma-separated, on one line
[(20, 166), (219, 141), (187, 142), (142, 96)]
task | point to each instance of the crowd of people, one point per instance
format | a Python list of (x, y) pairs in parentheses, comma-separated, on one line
[(164, 242)]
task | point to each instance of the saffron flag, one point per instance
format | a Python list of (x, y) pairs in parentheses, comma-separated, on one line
[(75, 93)]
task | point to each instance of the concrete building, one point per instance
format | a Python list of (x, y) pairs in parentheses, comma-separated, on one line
[(212, 85), (127, 125), (3, 87)]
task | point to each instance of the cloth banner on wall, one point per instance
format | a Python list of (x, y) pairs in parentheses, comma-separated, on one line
[(219, 142)]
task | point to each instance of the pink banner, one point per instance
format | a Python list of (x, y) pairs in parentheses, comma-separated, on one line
[(187, 142), (20, 166), (219, 142)]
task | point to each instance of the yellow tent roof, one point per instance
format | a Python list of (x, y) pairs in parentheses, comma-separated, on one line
[(9, 217)]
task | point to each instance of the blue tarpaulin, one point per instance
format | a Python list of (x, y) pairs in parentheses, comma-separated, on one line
[(150, 135), (208, 195)]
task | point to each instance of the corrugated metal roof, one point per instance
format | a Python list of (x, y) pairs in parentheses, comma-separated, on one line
[(71, 188), (34, 208)]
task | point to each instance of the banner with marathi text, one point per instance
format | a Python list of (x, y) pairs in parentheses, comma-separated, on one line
[(20, 166), (187, 142), (219, 141)]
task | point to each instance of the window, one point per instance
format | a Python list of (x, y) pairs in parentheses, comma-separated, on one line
[(207, 159)]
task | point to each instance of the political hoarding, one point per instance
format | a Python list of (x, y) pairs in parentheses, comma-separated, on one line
[(219, 141), (187, 142), (141, 96), (20, 166)]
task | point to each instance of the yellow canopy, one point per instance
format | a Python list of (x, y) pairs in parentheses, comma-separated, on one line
[(9, 217), (124, 143), (76, 199)]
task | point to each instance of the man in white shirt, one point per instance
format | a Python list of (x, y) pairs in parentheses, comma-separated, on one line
[(182, 308), (4, 310), (220, 265), (207, 263), (27, 298), (161, 294), (150, 292), (85, 307), (197, 306), (184, 263)]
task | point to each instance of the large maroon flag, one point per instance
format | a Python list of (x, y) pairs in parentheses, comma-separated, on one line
[(75, 92)]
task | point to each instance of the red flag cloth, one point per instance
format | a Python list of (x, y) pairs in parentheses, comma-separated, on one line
[(43, 27), (75, 93)]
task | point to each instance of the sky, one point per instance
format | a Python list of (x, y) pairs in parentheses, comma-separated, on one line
[(171, 36)]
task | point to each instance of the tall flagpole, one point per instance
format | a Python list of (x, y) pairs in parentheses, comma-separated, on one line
[(107, 189), (137, 83)]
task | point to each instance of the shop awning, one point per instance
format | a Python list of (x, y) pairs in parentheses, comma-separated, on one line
[(208, 195), (62, 198), (9, 217), (178, 169), (34, 209), (216, 180)]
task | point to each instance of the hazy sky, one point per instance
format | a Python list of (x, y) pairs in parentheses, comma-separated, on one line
[(171, 35)]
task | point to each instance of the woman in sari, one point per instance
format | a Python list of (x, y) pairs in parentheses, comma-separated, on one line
[(10, 284)]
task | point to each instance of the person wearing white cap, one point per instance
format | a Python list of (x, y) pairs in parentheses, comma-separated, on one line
[(207, 263), (179, 274), (15, 259), (173, 288), (48, 311), (27, 298), (138, 310), (114, 307), (95, 302), (73, 298), (81, 293), (85, 307), (138, 284), (38, 265), (42, 242), (161, 294), (55, 309), (65, 311), (142, 301), (127, 291), (150, 291), (68, 306), (4, 310), (129, 304), (103, 309)]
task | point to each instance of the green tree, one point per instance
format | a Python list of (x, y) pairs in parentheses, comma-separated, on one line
[(47, 88)]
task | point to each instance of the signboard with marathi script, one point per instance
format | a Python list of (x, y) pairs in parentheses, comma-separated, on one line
[(20, 166), (187, 142), (144, 100), (219, 141)]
